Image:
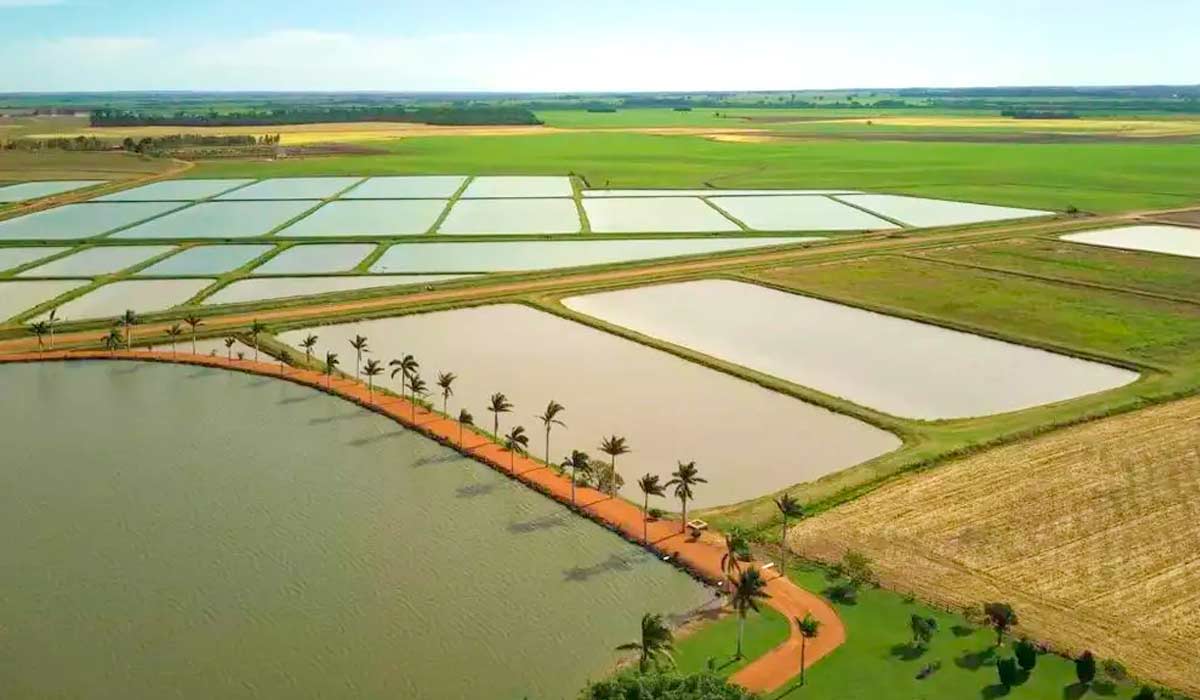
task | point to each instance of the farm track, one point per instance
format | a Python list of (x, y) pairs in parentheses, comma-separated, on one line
[(701, 556), (570, 281), (1089, 532)]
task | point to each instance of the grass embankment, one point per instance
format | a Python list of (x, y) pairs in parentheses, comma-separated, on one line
[(1109, 267), (713, 645), (23, 166), (878, 662), (1101, 177)]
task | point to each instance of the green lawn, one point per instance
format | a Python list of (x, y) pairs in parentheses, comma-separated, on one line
[(1117, 324), (1162, 274), (718, 641), (1101, 177), (877, 663)]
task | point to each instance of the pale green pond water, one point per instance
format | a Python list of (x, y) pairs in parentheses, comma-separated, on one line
[(217, 535)]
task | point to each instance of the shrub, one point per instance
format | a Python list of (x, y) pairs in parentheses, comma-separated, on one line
[(657, 513), (664, 686), (1085, 668), (843, 593), (1026, 654), (1146, 693), (1007, 670), (1114, 670)]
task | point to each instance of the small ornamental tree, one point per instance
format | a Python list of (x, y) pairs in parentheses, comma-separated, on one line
[(1009, 675), (1000, 616), (1146, 693), (1085, 668), (1026, 654)]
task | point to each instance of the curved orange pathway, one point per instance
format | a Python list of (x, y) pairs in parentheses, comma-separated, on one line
[(701, 557)]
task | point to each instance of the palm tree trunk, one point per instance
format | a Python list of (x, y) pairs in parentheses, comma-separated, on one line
[(741, 631), (256, 349), (646, 521), (783, 560), (572, 485), (445, 405), (547, 444), (193, 341), (683, 523), (371, 389), (357, 362), (803, 648), (460, 434)]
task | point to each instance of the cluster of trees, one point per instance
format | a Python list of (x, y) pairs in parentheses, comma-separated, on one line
[(76, 143), (177, 142), (1021, 113), (453, 116)]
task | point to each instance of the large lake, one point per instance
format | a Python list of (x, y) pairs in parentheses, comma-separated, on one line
[(194, 533)]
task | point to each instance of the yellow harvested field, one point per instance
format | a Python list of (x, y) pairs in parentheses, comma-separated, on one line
[(1092, 533), (1121, 127)]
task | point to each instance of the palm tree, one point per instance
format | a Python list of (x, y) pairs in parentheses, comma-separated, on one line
[(789, 508), (650, 487), (613, 446), (683, 479), (174, 332), (498, 404), (39, 328), (129, 319), (372, 370), (418, 387), (809, 626), (309, 342), (405, 367), (729, 561), (112, 341), (445, 380), (516, 441), (359, 343), (577, 462), (257, 328), (285, 359), (331, 361), (229, 341), (51, 322), (194, 322), (748, 589), (657, 642), (464, 418), (549, 418)]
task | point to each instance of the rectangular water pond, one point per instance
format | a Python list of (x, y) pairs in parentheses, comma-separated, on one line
[(16, 257), (290, 545), (783, 213), (315, 258), (80, 220), (143, 296), (518, 186), (284, 287), (513, 256), (207, 260), (97, 261), (511, 216), (407, 187), (744, 437), (35, 190), (1172, 240), (897, 366), (708, 193), (17, 297), (219, 220), (655, 214), (406, 217), (174, 191), (293, 188), (922, 213)]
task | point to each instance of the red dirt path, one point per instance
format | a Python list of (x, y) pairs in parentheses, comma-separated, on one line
[(702, 557)]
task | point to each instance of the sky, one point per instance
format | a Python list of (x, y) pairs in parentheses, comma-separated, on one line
[(610, 45)]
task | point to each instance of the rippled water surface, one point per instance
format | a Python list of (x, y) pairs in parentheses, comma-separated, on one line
[(193, 533)]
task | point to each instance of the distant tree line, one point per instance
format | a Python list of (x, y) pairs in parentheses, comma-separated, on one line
[(153, 145), (449, 116), (1037, 114)]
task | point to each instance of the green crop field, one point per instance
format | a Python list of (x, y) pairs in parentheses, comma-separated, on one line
[(1100, 177), (714, 645)]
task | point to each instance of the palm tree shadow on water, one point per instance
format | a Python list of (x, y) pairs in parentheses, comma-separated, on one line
[(545, 522), (372, 439), (474, 490), (614, 563)]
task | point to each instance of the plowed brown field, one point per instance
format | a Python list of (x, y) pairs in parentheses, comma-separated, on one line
[(1092, 533)]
